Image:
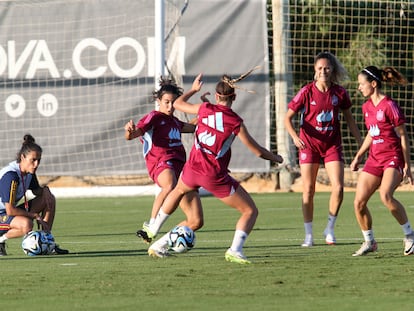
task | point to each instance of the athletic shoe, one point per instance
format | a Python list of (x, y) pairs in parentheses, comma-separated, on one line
[(3, 249), (59, 251), (308, 242), (409, 245), (329, 237), (236, 257), (145, 233), (366, 247), (158, 252)]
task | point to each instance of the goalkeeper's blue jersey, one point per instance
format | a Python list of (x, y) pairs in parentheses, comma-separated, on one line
[(13, 185)]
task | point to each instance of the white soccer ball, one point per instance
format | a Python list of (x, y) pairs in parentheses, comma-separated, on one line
[(38, 243), (181, 239)]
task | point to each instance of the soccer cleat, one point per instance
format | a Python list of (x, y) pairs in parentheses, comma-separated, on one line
[(366, 247), (409, 245), (59, 251), (145, 233), (308, 242), (158, 252), (3, 249), (329, 237), (236, 257)]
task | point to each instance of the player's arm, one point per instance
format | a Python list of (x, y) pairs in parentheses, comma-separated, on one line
[(182, 104), (257, 149), (291, 130), (405, 144), (131, 131), (353, 127), (362, 150), (8, 195), (188, 128)]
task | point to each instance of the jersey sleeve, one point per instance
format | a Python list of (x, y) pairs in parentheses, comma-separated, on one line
[(146, 122), (8, 187), (346, 100), (298, 102), (395, 114)]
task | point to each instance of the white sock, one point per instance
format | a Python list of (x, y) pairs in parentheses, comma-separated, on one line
[(3, 238), (162, 242), (308, 228), (407, 228), (158, 222), (151, 221), (368, 235), (331, 223), (238, 241)]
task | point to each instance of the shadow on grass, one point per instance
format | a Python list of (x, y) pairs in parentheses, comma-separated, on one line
[(90, 254)]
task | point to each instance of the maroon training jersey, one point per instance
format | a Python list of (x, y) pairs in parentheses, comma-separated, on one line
[(380, 121), (161, 138), (320, 115), (216, 130)]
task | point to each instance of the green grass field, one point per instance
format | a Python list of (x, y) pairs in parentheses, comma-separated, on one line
[(109, 269)]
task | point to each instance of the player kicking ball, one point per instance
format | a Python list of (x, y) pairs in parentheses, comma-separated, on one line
[(207, 167)]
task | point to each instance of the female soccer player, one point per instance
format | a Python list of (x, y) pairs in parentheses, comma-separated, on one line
[(217, 127), (160, 131), (388, 161), (320, 103), (15, 179)]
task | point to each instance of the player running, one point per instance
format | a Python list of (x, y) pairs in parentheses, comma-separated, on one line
[(164, 154), (388, 161), (207, 167)]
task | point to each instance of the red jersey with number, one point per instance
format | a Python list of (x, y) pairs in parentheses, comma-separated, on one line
[(380, 121), (320, 115), (161, 138), (216, 130)]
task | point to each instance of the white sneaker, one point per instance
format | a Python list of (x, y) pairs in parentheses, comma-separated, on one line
[(329, 237), (366, 247), (308, 242), (158, 251), (409, 245)]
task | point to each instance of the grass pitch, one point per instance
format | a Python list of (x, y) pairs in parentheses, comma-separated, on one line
[(109, 269)]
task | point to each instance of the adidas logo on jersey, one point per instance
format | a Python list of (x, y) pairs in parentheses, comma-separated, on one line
[(215, 121)]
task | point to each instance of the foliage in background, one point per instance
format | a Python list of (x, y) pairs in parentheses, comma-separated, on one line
[(359, 33)]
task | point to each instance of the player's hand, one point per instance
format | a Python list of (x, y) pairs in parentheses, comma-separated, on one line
[(354, 164), (204, 97), (299, 143), (197, 83), (43, 224), (130, 126), (408, 175), (279, 158)]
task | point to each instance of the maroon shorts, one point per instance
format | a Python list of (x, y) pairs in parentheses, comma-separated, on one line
[(308, 156), (176, 166), (377, 168), (220, 186)]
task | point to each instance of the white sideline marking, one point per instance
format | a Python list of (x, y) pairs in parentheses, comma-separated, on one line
[(108, 191)]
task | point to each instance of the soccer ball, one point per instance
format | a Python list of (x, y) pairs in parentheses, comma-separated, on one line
[(181, 239), (38, 243)]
